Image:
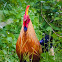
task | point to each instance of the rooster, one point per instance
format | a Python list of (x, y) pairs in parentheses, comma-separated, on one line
[(27, 43)]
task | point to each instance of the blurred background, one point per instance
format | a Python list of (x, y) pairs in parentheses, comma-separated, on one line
[(11, 20)]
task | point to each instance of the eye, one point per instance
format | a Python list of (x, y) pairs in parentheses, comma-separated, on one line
[(24, 19)]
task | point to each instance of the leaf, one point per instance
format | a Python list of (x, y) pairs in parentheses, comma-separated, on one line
[(9, 38), (56, 18), (48, 29), (47, 7), (4, 51)]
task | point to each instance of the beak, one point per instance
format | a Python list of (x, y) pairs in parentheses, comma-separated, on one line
[(27, 8)]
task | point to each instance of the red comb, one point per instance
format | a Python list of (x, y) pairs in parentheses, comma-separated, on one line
[(26, 12)]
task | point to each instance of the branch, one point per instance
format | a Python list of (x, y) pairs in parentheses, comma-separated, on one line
[(50, 26), (48, 23)]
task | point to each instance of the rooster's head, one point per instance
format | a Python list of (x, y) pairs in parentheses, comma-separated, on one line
[(26, 19)]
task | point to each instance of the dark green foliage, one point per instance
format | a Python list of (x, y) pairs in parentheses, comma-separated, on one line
[(12, 12)]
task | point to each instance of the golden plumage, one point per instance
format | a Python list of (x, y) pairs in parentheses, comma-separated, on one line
[(28, 43)]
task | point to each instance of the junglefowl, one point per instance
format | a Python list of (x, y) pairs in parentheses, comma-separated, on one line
[(45, 44), (27, 43)]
